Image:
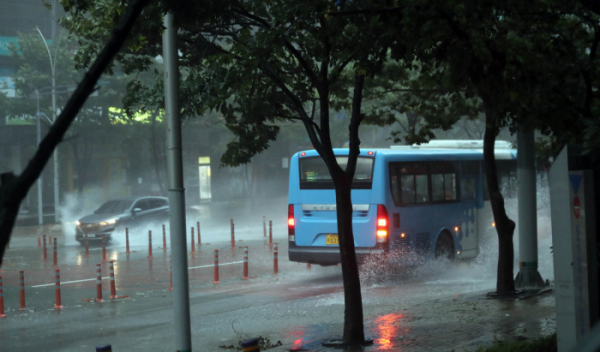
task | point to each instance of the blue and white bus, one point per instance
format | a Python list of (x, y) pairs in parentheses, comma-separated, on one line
[(429, 200)]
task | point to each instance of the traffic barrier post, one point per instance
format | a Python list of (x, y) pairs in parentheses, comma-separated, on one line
[(104, 248), (98, 285), (275, 269), (245, 277), (149, 244), (216, 281), (232, 235), (264, 227), (199, 242), (22, 291), (45, 253), (49, 240), (127, 240), (113, 285), (55, 254), (270, 232), (307, 266), (164, 238), (171, 273), (39, 242), (1, 300), (193, 247), (58, 304)]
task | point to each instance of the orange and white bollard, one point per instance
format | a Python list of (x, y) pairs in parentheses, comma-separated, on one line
[(127, 240), (164, 238), (113, 285), (22, 291), (216, 281), (264, 227), (307, 266), (270, 232), (232, 235), (275, 264), (245, 277), (199, 243), (39, 242), (45, 253), (58, 304), (193, 247), (55, 253), (2, 315), (149, 244), (49, 240), (98, 285), (104, 248)]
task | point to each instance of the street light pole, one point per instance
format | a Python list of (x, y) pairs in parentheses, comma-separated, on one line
[(39, 139), (55, 154)]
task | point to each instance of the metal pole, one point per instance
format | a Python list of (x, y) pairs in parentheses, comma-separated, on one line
[(181, 298), (55, 154), (39, 139), (528, 276)]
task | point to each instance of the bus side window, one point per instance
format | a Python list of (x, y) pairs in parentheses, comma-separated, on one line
[(443, 181)]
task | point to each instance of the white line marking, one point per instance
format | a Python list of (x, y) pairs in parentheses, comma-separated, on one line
[(106, 278), (212, 265), (70, 282)]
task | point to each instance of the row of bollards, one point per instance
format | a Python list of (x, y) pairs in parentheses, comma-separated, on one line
[(127, 248), (22, 305), (245, 267), (58, 299)]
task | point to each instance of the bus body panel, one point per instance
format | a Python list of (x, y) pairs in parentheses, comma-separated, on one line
[(468, 221)]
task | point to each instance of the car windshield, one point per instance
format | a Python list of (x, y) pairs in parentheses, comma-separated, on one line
[(114, 207)]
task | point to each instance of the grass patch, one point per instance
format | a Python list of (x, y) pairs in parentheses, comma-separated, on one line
[(543, 344)]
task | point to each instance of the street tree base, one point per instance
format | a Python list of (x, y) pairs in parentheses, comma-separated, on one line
[(341, 344), (529, 278)]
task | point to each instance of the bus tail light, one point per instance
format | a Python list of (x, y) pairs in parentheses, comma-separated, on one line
[(291, 223), (382, 224)]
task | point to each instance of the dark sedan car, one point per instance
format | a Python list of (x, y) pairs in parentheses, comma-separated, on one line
[(119, 213)]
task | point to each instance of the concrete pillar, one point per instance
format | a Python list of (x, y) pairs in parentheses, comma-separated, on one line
[(528, 276)]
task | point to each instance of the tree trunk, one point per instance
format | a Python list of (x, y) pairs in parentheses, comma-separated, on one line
[(353, 314), (505, 227)]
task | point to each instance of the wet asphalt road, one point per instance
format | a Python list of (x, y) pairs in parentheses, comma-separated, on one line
[(407, 310)]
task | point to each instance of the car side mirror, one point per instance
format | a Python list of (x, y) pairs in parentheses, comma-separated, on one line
[(136, 210)]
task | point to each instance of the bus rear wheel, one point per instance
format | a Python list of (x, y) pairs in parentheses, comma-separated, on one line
[(444, 247)]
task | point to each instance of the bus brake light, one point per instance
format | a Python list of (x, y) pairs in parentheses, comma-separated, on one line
[(382, 221), (291, 223)]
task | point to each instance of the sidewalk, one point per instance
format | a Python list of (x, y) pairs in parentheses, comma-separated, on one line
[(459, 323)]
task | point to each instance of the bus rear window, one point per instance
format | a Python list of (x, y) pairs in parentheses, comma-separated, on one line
[(315, 175)]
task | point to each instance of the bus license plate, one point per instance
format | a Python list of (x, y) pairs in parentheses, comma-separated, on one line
[(332, 239)]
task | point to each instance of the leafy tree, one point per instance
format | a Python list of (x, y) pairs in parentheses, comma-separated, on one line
[(259, 63)]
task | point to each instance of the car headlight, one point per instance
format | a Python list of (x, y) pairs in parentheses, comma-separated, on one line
[(108, 222), (77, 223)]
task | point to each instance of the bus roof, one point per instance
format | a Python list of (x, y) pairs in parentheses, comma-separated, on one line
[(441, 148)]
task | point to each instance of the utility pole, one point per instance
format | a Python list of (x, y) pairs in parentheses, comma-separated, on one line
[(528, 276), (181, 296)]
